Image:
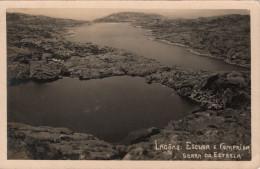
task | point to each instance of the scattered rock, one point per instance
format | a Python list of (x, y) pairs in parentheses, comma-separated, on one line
[(50, 56), (27, 142), (207, 36)]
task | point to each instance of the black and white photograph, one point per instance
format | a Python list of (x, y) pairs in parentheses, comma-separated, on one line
[(128, 84)]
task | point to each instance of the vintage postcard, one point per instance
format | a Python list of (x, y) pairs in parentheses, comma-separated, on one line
[(130, 84)]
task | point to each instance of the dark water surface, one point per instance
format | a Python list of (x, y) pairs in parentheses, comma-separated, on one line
[(110, 108), (114, 108), (121, 35)]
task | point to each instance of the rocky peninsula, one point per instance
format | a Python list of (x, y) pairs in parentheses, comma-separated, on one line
[(38, 50)]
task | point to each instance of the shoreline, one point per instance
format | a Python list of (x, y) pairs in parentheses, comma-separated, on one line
[(58, 140), (224, 99), (151, 36), (191, 50)]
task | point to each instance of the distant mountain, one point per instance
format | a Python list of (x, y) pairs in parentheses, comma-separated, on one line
[(40, 19), (129, 17), (37, 50), (225, 37)]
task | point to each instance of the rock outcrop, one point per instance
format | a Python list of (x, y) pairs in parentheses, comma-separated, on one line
[(209, 127), (211, 90), (223, 37), (47, 55), (228, 126), (48, 143)]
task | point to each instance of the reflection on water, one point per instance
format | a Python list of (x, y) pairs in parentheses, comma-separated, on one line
[(114, 108), (109, 108), (121, 35)]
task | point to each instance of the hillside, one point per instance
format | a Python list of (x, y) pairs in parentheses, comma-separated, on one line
[(37, 50), (223, 37)]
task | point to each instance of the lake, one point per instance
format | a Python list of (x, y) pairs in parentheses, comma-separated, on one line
[(112, 108), (124, 36)]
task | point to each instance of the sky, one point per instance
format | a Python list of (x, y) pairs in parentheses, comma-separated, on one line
[(91, 14)]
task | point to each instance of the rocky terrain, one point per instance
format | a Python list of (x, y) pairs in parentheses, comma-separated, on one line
[(43, 54), (223, 37), (229, 126), (207, 127), (27, 142)]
